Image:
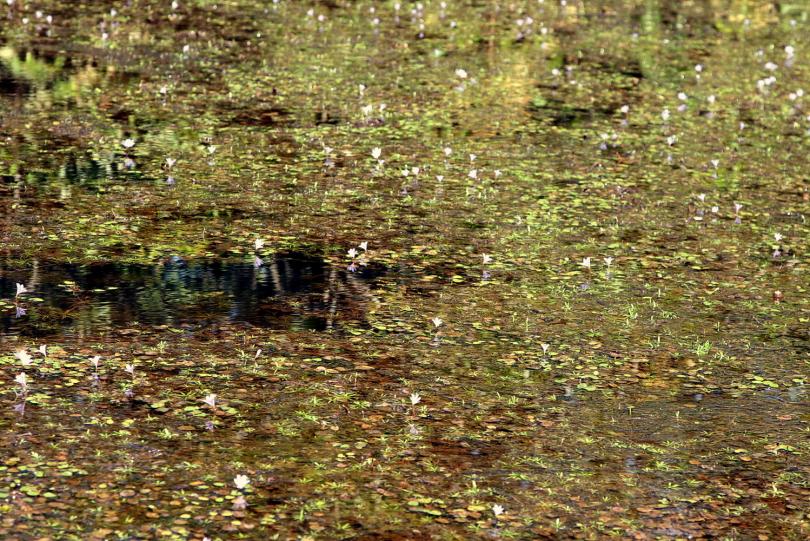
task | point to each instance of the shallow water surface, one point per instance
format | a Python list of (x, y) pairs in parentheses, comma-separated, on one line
[(529, 270)]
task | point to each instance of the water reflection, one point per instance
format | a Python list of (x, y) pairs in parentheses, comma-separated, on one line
[(289, 291)]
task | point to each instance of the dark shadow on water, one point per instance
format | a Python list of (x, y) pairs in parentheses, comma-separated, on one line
[(291, 291), (11, 85)]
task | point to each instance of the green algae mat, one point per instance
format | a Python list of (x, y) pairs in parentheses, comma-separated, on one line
[(380, 270)]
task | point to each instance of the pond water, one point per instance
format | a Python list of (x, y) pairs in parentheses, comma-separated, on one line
[(404, 270)]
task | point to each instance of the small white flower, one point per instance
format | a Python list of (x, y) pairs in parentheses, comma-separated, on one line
[(473, 157), (608, 261), (128, 143), (94, 361), (364, 246), (241, 481), (258, 244), (702, 197), (737, 207), (22, 380), (447, 151), (43, 350), (586, 262), (778, 236), (21, 289), (415, 399), (170, 162), (376, 152), (130, 369), (497, 510), (24, 358), (625, 109), (487, 258), (665, 114), (461, 74), (545, 347), (473, 174), (437, 321), (352, 253), (440, 177), (211, 400)]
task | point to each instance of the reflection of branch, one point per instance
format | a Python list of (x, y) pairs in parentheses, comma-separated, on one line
[(34, 280), (275, 276), (362, 288), (331, 296)]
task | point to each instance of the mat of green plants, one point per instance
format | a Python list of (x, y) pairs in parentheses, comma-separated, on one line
[(414, 270)]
